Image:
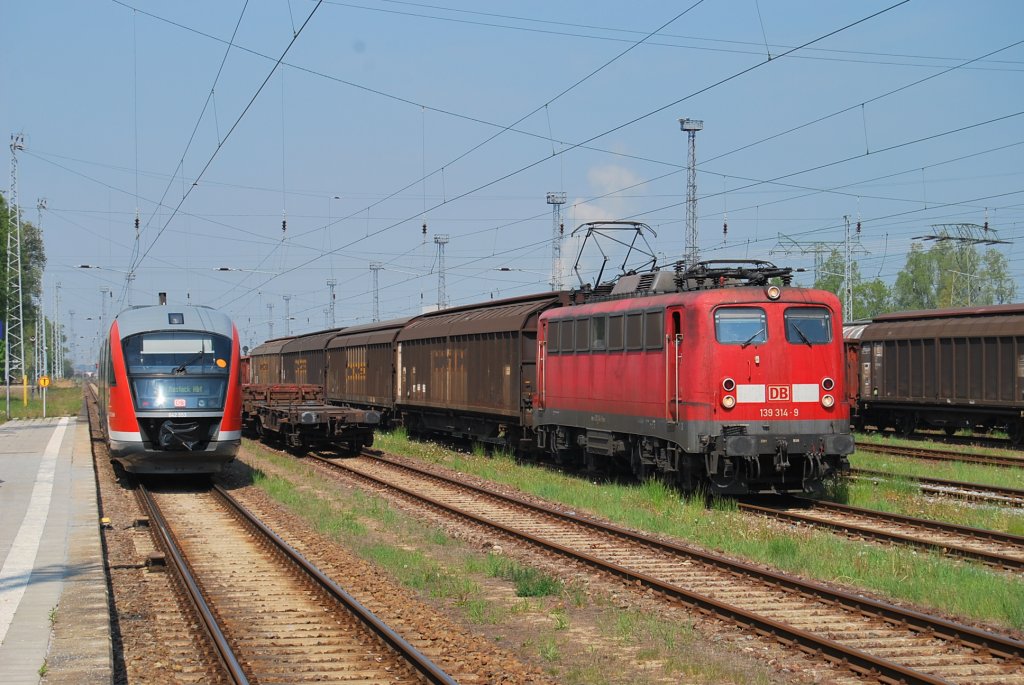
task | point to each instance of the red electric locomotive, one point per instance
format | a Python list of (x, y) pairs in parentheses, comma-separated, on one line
[(170, 389), (720, 376)]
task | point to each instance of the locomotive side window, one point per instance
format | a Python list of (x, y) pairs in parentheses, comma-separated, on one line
[(615, 332), (653, 321), (808, 325), (582, 335), (741, 325), (553, 328), (565, 335), (598, 333), (635, 331)]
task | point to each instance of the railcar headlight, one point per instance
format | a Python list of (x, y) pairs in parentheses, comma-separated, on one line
[(827, 383), (728, 384), (827, 401), (728, 401), (774, 292)]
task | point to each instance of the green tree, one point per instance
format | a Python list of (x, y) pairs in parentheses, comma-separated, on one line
[(953, 274), (996, 285), (871, 298), (915, 285)]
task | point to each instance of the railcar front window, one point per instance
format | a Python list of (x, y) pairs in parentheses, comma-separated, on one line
[(808, 326), (178, 370), (741, 325), (178, 393), (178, 352)]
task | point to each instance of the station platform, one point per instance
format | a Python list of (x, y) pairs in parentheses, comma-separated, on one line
[(54, 617)]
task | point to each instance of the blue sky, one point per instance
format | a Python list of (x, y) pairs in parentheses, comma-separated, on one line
[(385, 114)]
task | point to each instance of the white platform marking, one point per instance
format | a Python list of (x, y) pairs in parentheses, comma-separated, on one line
[(17, 570)]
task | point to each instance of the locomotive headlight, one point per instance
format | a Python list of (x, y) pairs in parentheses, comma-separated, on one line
[(827, 384), (774, 292), (728, 401), (827, 401), (728, 384)]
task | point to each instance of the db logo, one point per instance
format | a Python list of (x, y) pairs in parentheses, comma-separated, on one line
[(179, 403), (779, 393)]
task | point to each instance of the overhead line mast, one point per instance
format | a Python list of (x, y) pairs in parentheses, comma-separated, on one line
[(556, 200), (441, 239), (691, 255), (14, 358)]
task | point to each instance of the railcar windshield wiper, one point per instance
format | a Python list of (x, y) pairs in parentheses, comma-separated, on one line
[(803, 337), (180, 370), (751, 338)]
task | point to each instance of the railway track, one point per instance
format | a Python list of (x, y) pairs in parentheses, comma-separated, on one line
[(272, 616), (871, 638), (993, 494), (991, 547), (943, 455)]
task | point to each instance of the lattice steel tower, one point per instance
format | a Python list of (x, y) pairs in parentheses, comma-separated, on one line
[(15, 357), (691, 254), (556, 200), (441, 239), (331, 282), (375, 267)]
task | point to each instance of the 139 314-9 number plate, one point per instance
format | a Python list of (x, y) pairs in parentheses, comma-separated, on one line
[(778, 412)]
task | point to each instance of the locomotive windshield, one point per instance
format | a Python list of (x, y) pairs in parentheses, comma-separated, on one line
[(808, 326), (178, 369), (741, 325)]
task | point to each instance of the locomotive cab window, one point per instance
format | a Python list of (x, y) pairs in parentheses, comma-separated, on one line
[(741, 325), (808, 325)]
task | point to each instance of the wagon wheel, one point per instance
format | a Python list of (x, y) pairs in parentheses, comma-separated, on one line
[(1016, 432), (950, 430), (906, 424)]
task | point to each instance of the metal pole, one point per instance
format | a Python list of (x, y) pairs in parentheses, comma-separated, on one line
[(375, 268), (331, 282), (441, 239), (692, 251)]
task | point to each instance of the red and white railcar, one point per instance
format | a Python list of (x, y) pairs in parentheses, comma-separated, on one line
[(170, 389), (715, 377)]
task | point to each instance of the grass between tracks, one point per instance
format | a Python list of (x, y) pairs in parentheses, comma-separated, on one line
[(927, 579), (904, 497), (946, 470), (60, 401), (580, 636)]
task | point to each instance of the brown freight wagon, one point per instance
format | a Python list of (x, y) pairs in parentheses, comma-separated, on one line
[(303, 360), (265, 362), (947, 368), (361, 367), (470, 372), (852, 333)]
